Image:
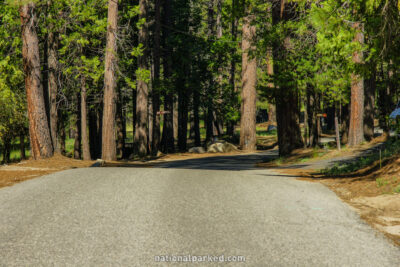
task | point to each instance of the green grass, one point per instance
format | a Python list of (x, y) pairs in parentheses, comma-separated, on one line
[(397, 189), (266, 133), (381, 182), (15, 154)]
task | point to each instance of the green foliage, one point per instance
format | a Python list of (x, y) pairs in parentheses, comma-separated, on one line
[(12, 98)]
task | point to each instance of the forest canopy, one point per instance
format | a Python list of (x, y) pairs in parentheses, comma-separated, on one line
[(119, 79)]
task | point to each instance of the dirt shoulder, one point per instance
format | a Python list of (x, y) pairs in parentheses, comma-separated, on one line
[(29, 169)]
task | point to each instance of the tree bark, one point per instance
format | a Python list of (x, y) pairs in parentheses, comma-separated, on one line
[(369, 107), (109, 151), (312, 111), (61, 131), (95, 131), (167, 142), (52, 65), (337, 129), (196, 117), (120, 130), (84, 124), (356, 130), (211, 130), (39, 132), (270, 72), (249, 79), (22, 145), (182, 116), (345, 123), (287, 115), (142, 100), (7, 149), (78, 129), (156, 84)]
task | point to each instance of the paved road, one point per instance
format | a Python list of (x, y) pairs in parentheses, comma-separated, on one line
[(127, 216)]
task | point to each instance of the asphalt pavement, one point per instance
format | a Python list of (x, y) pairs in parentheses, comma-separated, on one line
[(208, 207)]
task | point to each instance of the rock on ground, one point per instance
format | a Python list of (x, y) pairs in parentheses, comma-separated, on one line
[(221, 147)]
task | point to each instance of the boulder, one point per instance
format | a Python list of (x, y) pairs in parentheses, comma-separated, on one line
[(221, 147), (197, 150)]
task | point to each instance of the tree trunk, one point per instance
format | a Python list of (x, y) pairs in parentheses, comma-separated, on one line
[(211, 131), (270, 72), (52, 65), (287, 115), (231, 124), (61, 131), (109, 151), (78, 129), (39, 132), (156, 83), (22, 145), (312, 111), (175, 118), (167, 142), (249, 80), (142, 100), (345, 123), (120, 130), (337, 129), (84, 124), (306, 126), (356, 131), (369, 107), (95, 120), (7, 150), (385, 98), (196, 117)]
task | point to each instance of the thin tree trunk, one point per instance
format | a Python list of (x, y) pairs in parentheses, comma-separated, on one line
[(39, 132), (306, 126), (109, 151), (52, 65), (249, 80), (231, 124), (182, 117), (84, 124), (337, 129), (369, 107), (120, 130), (167, 142), (156, 83), (78, 129), (175, 118), (196, 117), (270, 72), (22, 145), (356, 131), (142, 100), (61, 131), (7, 150), (345, 123), (211, 131)]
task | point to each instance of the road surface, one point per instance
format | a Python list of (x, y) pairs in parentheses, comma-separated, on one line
[(203, 207)]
